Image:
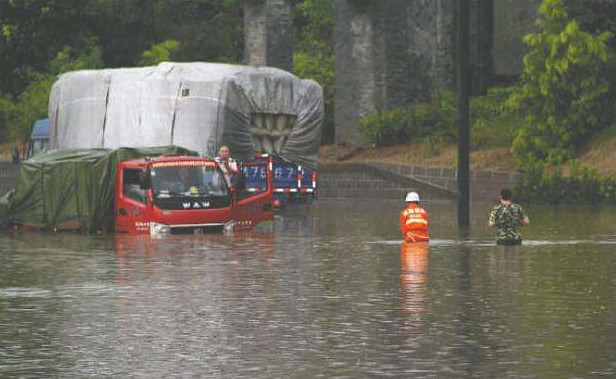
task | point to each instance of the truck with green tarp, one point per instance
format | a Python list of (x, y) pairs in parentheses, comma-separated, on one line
[(149, 190)]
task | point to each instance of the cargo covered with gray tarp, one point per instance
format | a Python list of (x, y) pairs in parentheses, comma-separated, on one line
[(70, 189), (198, 106)]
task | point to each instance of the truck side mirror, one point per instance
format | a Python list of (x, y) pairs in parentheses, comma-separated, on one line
[(145, 180)]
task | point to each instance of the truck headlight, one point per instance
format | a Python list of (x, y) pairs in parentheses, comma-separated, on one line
[(158, 229)]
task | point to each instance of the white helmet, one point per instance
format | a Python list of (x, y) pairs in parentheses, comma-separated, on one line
[(412, 196)]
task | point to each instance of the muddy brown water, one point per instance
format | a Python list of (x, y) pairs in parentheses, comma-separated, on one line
[(326, 291)]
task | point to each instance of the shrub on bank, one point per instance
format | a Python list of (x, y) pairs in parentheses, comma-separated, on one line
[(554, 185), (435, 120), (493, 123)]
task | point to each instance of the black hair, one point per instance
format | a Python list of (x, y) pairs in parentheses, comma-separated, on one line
[(506, 194)]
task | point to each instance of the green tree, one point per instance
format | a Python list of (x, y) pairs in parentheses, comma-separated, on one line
[(159, 52), (563, 94), (34, 31), (37, 36), (593, 16), (32, 103)]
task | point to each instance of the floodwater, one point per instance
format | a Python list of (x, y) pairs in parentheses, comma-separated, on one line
[(327, 291)]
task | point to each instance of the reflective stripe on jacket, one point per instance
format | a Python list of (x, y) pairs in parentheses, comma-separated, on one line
[(414, 223)]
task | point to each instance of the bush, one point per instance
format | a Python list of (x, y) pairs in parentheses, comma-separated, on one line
[(493, 122), (160, 52), (435, 121), (387, 128), (550, 185)]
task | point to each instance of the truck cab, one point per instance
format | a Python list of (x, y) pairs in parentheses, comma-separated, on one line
[(180, 194)]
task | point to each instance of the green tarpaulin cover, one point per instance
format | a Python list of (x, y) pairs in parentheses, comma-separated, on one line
[(70, 189)]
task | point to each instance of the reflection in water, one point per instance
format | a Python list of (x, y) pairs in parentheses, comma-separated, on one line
[(413, 276)]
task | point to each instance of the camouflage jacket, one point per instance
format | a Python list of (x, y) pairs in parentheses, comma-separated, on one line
[(508, 219)]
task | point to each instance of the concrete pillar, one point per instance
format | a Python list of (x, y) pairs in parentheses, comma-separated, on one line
[(513, 19), (430, 47), (389, 54), (480, 45), (356, 69), (268, 34)]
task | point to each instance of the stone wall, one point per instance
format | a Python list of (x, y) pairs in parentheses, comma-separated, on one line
[(483, 184), (391, 182)]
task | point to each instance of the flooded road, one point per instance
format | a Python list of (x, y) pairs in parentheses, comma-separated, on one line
[(324, 292)]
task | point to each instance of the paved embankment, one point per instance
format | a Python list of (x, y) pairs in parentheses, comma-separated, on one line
[(391, 182)]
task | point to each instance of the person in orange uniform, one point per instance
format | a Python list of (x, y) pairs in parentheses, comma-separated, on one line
[(414, 220)]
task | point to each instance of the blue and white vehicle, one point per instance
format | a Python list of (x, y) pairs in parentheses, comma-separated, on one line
[(292, 183), (39, 138)]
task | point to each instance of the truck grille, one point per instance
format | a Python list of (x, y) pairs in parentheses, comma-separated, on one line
[(189, 203)]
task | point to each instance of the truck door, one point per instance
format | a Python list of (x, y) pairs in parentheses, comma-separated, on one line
[(130, 201), (253, 194)]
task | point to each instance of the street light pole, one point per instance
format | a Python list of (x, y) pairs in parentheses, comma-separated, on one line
[(462, 41)]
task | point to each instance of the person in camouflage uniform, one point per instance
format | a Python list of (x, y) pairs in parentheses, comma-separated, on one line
[(508, 217)]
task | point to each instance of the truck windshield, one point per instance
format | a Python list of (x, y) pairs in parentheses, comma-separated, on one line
[(188, 181)]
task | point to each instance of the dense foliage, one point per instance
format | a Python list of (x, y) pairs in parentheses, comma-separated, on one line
[(493, 122), (549, 184), (35, 33), (594, 16), (435, 120), (160, 52), (563, 94)]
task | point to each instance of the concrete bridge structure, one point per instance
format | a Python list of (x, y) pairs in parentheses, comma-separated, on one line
[(396, 53)]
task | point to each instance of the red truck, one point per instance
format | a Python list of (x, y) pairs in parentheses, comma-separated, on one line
[(149, 191), (178, 194)]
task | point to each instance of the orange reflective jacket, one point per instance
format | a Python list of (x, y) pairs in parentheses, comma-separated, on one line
[(414, 223)]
